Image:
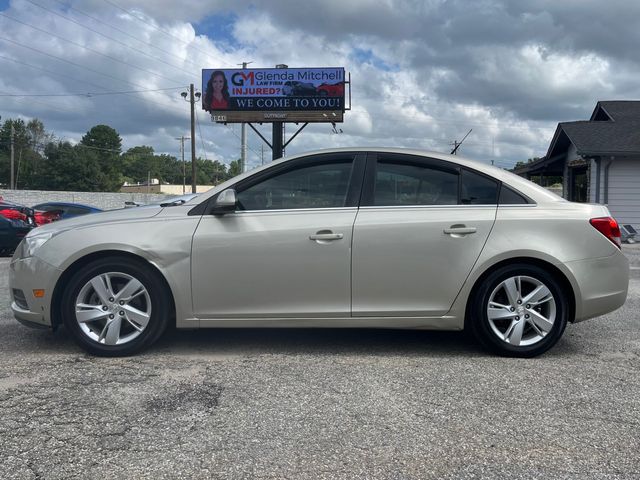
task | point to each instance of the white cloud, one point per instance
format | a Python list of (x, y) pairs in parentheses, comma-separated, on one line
[(423, 73)]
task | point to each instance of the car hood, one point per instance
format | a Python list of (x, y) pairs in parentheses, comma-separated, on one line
[(111, 216)]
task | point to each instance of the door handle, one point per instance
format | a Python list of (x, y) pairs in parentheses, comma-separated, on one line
[(460, 230), (326, 236)]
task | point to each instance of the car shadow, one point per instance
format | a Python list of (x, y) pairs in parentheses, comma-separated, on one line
[(285, 341), (225, 343)]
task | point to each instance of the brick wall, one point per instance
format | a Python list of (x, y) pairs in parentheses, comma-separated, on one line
[(103, 200)]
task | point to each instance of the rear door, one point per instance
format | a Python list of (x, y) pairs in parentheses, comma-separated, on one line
[(421, 226)]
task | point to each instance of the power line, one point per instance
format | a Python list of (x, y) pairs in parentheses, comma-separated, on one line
[(239, 137), (129, 12), (124, 32), (66, 61), (201, 137), (52, 106), (454, 122), (81, 66), (87, 94), (87, 48), (105, 36), (57, 74)]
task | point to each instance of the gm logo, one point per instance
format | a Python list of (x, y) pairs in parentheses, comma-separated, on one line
[(239, 78)]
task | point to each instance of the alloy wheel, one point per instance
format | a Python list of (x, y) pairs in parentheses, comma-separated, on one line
[(521, 310), (113, 308)]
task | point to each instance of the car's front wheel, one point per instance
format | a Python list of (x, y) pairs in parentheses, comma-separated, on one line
[(116, 306), (519, 310)]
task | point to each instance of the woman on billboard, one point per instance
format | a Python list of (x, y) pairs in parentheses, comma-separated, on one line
[(217, 95)]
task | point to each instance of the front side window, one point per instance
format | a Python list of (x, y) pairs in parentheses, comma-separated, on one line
[(315, 186), (412, 184)]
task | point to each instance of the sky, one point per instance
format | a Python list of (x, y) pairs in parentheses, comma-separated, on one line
[(423, 72)]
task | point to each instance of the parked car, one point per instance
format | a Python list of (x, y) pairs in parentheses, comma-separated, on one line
[(42, 218), (15, 211), (375, 238), (28, 215), (331, 89), (66, 209), (298, 89), (12, 231)]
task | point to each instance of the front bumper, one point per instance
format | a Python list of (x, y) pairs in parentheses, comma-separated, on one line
[(25, 276), (602, 284)]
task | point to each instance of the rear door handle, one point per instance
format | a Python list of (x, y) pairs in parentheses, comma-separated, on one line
[(460, 230), (326, 236)]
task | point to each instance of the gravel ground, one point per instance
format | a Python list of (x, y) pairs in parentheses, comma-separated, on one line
[(328, 404)]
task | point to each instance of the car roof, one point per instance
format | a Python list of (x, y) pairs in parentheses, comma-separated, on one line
[(69, 204)]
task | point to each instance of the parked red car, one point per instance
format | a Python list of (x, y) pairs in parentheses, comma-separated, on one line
[(35, 218), (43, 218), (331, 89)]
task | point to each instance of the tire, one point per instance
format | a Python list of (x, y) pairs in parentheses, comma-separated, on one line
[(116, 306), (519, 310)]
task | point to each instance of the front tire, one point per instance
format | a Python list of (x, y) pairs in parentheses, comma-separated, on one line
[(116, 306), (519, 310)]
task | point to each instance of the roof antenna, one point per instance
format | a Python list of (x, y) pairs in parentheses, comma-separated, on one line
[(457, 144)]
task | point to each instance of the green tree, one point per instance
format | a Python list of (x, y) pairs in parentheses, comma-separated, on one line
[(234, 168), (106, 144), (69, 167), (21, 147)]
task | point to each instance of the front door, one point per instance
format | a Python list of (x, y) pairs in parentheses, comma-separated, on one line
[(286, 251)]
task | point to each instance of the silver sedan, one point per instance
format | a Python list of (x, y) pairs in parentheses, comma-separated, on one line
[(374, 238)]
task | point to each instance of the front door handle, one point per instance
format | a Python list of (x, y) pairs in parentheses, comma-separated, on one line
[(455, 230), (324, 236)]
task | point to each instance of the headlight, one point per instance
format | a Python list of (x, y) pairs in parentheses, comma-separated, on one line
[(31, 243)]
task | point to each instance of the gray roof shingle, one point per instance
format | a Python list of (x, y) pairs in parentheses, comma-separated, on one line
[(600, 138), (619, 110)]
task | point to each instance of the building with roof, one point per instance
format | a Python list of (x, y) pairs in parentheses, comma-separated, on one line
[(598, 159)]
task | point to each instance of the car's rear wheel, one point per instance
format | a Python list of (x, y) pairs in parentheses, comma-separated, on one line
[(519, 310), (116, 306)]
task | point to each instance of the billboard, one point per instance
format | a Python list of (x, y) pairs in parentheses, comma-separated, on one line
[(274, 94)]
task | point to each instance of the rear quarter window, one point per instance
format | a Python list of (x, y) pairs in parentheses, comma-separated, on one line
[(509, 196), (477, 189)]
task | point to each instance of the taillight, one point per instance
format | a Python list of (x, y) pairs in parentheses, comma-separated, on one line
[(609, 228)]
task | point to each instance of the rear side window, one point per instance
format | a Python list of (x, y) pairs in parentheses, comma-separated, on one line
[(476, 189), (411, 184), (76, 211), (508, 196)]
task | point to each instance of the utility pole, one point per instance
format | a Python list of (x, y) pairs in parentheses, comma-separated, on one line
[(184, 165), (193, 96), (12, 183), (243, 137), (193, 139)]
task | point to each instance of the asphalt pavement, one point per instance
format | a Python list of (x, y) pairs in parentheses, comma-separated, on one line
[(323, 404)]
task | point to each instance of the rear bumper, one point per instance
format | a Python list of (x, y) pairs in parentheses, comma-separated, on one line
[(602, 284)]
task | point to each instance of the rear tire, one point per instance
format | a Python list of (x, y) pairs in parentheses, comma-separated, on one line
[(116, 306), (519, 310)]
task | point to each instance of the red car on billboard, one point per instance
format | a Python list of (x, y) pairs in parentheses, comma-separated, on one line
[(331, 89)]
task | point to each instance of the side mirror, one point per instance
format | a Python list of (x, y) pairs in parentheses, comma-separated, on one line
[(226, 202)]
